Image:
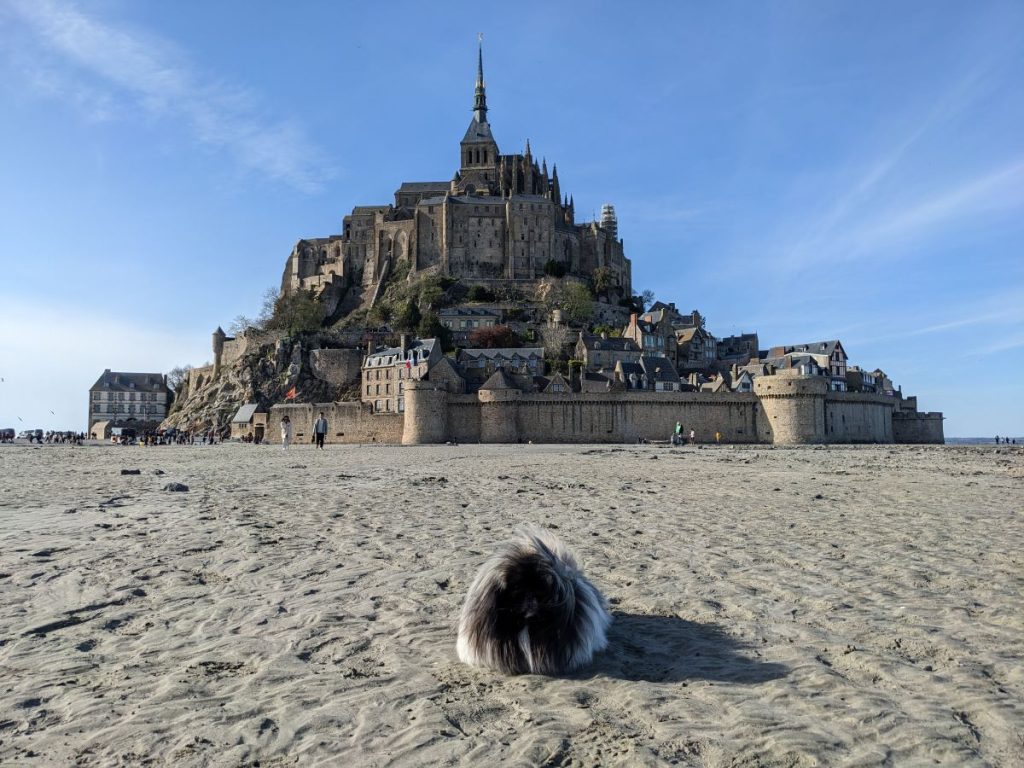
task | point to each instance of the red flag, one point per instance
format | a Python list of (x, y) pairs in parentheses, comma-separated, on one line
[(290, 394)]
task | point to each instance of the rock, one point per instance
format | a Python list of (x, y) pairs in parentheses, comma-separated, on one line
[(176, 487), (131, 471), (158, 471)]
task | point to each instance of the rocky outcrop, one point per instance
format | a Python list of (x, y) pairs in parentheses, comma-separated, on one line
[(265, 375)]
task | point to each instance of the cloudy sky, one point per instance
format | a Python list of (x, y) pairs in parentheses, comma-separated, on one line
[(807, 170)]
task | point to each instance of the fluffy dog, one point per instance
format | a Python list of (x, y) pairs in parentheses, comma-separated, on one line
[(530, 609)]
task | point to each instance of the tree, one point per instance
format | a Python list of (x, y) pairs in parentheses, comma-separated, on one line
[(430, 328), (577, 303), (297, 312), (267, 304), (495, 337), (241, 324), (177, 376), (603, 280), (555, 339), (408, 316), (613, 333), (646, 299), (479, 293)]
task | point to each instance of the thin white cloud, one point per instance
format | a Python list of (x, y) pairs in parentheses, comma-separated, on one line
[(1001, 189), (101, 63), (854, 224)]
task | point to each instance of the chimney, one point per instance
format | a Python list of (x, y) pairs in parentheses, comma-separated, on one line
[(632, 319), (404, 343)]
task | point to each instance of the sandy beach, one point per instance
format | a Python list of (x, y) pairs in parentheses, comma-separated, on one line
[(773, 607)]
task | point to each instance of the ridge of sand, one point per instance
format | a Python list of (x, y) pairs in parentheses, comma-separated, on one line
[(774, 607)]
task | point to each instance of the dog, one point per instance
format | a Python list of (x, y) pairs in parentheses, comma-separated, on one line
[(530, 610)]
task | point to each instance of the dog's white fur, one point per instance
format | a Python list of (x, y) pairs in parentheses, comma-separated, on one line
[(530, 609)]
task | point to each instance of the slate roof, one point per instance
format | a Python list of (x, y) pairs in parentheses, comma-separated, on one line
[(119, 381), (423, 346), (245, 413), (814, 348), (595, 382), (613, 343), (478, 132), (659, 369), (498, 380), (505, 353), (466, 312), (423, 186)]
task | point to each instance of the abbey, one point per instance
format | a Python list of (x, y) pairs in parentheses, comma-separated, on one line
[(500, 218)]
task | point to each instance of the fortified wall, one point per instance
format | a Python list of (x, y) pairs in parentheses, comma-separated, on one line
[(783, 410)]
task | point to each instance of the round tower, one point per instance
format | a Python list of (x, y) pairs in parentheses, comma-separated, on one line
[(426, 413), (794, 407), (218, 349)]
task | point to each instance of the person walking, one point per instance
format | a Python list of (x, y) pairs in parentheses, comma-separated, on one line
[(286, 432), (677, 438), (320, 431), (718, 437), (693, 437)]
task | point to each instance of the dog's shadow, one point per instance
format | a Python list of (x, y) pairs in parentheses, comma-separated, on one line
[(669, 649)]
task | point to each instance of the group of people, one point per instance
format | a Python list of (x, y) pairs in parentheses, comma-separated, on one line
[(63, 438), (319, 431), (1006, 440)]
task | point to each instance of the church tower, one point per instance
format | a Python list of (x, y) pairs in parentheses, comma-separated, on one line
[(478, 150)]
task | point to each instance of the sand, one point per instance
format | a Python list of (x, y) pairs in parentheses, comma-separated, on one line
[(791, 607)]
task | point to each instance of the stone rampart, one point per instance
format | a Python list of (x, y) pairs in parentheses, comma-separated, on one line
[(852, 417), (917, 428), (346, 423), (785, 410)]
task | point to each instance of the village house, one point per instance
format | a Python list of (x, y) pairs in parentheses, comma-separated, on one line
[(249, 422), (462, 321), (522, 363), (603, 352), (739, 349), (696, 349), (651, 373), (137, 400), (659, 311), (859, 380), (828, 355), (386, 371), (655, 337)]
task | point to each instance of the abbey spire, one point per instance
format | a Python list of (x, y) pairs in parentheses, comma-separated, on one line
[(480, 97)]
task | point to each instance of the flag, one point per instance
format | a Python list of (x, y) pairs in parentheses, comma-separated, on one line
[(290, 394)]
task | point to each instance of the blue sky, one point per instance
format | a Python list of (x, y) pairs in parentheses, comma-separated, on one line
[(808, 170)]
